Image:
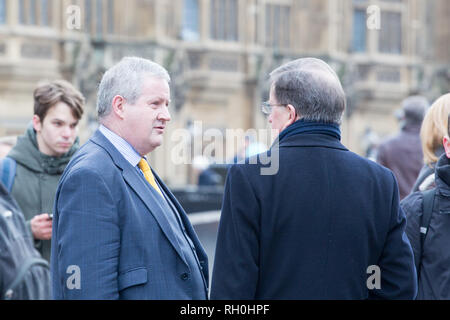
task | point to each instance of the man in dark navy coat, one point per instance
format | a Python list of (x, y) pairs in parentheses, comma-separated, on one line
[(327, 224)]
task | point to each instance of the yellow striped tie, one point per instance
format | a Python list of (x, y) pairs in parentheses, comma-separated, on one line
[(148, 174)]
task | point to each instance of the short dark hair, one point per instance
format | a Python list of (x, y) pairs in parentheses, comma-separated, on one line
[(47, 94)]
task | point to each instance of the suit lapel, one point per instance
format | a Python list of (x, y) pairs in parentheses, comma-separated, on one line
[(177, 206), (147, 194), (149, 197), (201, 254), (184, 218)]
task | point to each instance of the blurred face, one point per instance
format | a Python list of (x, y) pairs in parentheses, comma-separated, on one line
[(146, 119), (281, 116), (57, 132)]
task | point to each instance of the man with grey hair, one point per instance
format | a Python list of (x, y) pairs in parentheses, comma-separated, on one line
[(328, 224), (119, 233), (403, 153)]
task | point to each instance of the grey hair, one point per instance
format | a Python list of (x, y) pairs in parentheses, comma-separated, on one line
[(125, 79), (312, 87)]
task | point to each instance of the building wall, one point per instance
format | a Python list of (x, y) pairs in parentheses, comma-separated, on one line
[(219, 56)]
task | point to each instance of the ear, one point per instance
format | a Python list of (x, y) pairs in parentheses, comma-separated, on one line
[(118, 106), (446, 144), (293, 116), (37, 124)]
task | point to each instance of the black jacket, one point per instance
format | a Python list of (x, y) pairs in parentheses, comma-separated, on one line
[(434, 280), (19, 257), (425, 173), (312, 230)]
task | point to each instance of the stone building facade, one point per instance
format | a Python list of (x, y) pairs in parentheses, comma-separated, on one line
[(219, 53)]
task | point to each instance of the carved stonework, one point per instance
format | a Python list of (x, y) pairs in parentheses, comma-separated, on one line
[(363, 72), (145, 51), (388, 75), (224, 63), (36, 51), (195, 60)]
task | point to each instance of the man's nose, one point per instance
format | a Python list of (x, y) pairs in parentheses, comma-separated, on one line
[(66, 132), (165, 115)]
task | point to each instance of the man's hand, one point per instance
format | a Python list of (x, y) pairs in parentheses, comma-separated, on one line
[(41, 227)]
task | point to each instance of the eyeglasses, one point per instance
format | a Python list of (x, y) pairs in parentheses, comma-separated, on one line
[(266, 107)]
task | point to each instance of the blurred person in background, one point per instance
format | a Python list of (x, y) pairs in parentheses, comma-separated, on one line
[(41, 155), (206, 176), (369, 143), (6, 144), (428, 230), (434, 127), (402, 153)]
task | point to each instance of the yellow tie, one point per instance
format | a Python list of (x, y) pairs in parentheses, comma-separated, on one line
[(143, 165)]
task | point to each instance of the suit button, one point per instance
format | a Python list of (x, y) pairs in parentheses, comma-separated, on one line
[(185, 276)]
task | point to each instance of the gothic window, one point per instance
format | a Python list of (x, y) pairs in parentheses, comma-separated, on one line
[(359, 31), (2, 11), (110, 16), (99, 17), (35, 12), (190, 27), (390, 38), (224, 20), (277, 26), (88, 15)]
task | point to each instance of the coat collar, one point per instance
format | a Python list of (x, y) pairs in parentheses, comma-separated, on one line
[(149, 196), (311, 140), (442, 177)]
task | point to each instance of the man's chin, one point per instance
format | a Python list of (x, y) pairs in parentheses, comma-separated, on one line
[(157, 144), (63, 151), (153, 146)]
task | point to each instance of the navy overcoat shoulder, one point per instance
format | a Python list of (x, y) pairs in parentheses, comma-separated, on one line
[(319, 228)]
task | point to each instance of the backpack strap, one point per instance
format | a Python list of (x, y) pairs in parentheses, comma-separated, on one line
[(427, 207), (8, 168), (22, 273)]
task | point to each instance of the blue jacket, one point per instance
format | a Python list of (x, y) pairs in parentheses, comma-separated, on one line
[(314, 229), (111, 239)]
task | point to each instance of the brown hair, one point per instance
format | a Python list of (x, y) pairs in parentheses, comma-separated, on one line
[(434, 128), (47, 94)]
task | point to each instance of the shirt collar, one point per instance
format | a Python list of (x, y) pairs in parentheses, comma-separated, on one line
[(125, 149)]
